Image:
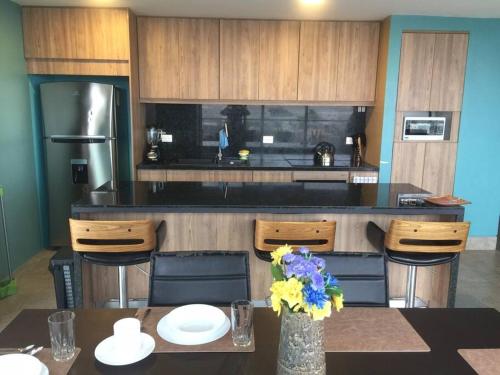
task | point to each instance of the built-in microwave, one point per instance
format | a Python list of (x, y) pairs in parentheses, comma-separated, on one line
[(424, 128)]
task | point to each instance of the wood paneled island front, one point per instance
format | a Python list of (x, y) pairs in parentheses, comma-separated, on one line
[(220, 216)]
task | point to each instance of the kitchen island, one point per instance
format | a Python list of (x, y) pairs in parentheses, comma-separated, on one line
[(220, 216)]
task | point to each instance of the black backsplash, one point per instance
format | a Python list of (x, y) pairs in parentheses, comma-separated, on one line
[(296, 129)]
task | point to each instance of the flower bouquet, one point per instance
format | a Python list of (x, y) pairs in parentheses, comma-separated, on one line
[(301, 284), (305, 291)]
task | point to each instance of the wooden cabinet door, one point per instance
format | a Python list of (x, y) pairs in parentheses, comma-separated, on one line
[(408, 162), (320, 176), (415, 71), (158, 40), (199, 58), (439, 167), (450, 55), (272, 176), (152, 175), (239, 59), (357, 61), (278, 60), (319, 49), (76, 33)]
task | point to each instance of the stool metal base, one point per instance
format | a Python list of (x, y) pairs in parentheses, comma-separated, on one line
[(133, 303), (400, 303)]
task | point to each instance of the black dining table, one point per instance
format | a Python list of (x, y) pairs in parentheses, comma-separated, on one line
[(444, 330)]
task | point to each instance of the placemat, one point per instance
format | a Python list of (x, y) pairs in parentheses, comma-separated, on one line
[(224, 344), (55, 367), (360, 329), (483, 361)]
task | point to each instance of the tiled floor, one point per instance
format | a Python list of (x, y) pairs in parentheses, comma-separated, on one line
[(35, 288), (478, 285), (479, 279)]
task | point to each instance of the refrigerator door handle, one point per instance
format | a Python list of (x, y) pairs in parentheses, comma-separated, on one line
[(77, 138)]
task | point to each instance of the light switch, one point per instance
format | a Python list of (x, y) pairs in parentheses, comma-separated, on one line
[(348, 140), (268, 139), (167, 138)]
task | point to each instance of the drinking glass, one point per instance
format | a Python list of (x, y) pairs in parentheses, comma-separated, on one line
[(62, 335), (242, 322)]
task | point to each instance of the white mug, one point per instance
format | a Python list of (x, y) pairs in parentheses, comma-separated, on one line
[(127, 334)]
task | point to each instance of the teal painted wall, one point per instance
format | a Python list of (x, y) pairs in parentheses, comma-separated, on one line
[(122, 124), (17, 169), (477, 173)]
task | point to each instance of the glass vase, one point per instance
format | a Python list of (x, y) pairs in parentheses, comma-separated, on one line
[(301, 348)]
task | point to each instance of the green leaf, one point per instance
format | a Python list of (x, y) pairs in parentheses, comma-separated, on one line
[(277, 272), (333, 291)]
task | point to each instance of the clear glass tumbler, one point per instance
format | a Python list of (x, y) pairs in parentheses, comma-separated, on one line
[(242, 322), (62, 335)]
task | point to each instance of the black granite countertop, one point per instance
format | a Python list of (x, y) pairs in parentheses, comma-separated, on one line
[(297, 197), (291, 163)]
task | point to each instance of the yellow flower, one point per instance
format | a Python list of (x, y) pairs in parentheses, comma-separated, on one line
[(279, 252), (339, 302), (319, 314), (289, 291)]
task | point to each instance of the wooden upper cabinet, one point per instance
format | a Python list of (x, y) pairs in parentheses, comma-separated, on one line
[(318, 61), (158, 40), (199, 58), (431, 71), (357, 61), (415, 71), (278, 60), (178, 58), (450, 56), (239, 59), (76, 33)]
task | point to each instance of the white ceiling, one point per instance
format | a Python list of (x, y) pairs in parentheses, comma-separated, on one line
[(293, 9)]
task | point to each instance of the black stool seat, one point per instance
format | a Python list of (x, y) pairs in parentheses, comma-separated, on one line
[(117, 259), (419, 259)]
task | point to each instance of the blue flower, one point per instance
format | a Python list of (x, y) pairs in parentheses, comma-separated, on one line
[(319, 262), (288, 258), (304, 250), (330, 280), (314, 297), (317, 282)]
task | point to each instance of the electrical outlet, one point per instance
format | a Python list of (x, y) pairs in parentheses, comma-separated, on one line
[(268, 139), (167, 138), (348, 140)]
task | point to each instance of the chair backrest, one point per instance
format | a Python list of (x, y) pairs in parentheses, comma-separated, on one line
[(212, 277), (427, 237), (318, 236), (362, 276), (112, 236)]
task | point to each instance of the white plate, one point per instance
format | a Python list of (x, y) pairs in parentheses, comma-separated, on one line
[(193, 325), (106, 352), (45, 370), (21, 364)]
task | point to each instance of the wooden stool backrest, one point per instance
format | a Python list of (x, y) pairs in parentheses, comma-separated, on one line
[(112, 236), (427, 237), (318, 236)]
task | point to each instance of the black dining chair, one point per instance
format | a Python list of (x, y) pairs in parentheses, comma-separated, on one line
[(211, 277), (362, 276)]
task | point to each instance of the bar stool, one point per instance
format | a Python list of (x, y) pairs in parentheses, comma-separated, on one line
[(115, 243), (318, 236), (423, 244)]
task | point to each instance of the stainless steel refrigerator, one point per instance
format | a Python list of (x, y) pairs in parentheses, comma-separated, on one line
[(79, 131)]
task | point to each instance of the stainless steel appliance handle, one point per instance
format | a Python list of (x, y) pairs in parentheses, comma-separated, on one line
[(78, 139)]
